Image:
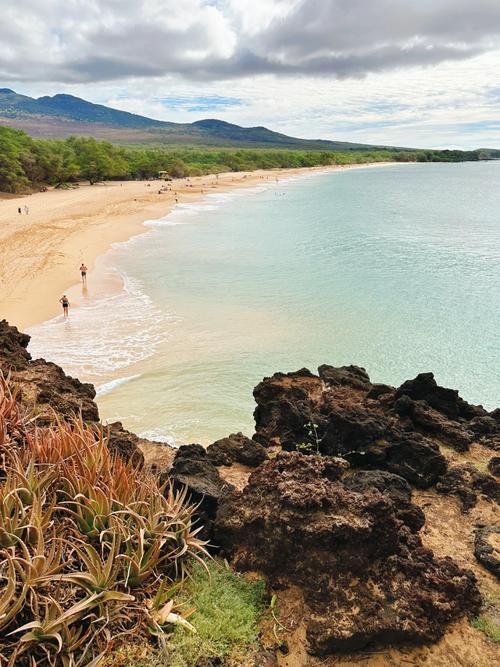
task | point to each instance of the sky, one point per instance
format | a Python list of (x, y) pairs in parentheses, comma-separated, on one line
[(422, 73)]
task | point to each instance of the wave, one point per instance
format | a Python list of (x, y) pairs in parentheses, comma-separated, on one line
[(108, 387), (157, 435)]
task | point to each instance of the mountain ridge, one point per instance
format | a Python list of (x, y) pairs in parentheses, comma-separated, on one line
[(62, 115)]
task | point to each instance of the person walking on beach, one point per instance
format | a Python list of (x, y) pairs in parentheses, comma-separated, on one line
[(19, 211), (83, 271), (26, 210), (65, 304)]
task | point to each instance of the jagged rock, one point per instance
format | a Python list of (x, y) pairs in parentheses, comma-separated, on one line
[(494, 466), (394, 486), (365, 574), (237, 448), (466, 482), (346, 423), (487, 548), (125, 444), (43, 387), (45, 390), (447, 401), (285, 403), (430, 421), (416, 459), (378, 390), (13, 344), (193, 469), (352, 376)]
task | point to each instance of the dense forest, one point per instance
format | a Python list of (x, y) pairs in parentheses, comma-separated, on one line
[(27, 163)]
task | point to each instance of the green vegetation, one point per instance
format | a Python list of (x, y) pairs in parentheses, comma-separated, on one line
[(488, 626), (27, 163), (227, 609), (91, 549), (489, 621)]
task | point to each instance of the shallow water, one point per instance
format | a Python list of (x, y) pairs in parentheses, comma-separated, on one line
[(396, 269)]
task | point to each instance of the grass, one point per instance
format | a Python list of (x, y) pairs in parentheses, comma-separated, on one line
[(227, 608), (488, 626), (489, 621)]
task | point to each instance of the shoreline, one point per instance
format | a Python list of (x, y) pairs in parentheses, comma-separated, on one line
[(41, 251)]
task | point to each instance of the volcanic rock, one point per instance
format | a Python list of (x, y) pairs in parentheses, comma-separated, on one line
[(351, 376), (494, 466), (333, 415), (487, 548), (193, 469), (466, 482), (43, 387), (125, 444), (47, 393), (363, 570), (237, 448), (394, 486), (447, 401), (13, 353)]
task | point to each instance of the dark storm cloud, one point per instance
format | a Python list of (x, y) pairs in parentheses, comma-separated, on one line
[(82, 41)]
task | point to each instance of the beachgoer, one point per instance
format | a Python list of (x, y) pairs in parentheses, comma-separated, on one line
[(83, 271), (19, 211), (65, 304), (26, 210)]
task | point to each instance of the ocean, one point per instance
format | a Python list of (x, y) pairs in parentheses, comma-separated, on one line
[(394, 268)]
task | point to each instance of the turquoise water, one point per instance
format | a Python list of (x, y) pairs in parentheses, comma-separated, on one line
[(396, 269)]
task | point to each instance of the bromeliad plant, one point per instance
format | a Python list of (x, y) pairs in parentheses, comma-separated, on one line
[(91, 548)]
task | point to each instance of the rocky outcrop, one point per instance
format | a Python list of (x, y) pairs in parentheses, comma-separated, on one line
[(193, 469), (365, 575), (46, 392), (393, 486), (467, 483), (487, 548), (43, 387), (445, 401), (13, 353), (125, 444), (340, 412), (237, 448)]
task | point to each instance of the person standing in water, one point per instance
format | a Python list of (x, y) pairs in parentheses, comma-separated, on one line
[(65, 304), (83, 271)]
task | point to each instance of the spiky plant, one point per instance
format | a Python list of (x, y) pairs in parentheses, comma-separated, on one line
[(89, 545)]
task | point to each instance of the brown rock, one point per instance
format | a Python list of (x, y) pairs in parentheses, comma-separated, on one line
[(467, 482), (237, 448), (487, 548), (365, 574)]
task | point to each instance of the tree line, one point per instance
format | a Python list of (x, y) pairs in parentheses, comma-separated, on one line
[(27, 163)]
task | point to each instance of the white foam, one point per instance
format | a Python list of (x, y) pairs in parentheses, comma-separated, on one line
[(157, 435), (108, 387), (103, 334)]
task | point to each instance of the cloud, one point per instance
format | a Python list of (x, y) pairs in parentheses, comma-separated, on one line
[(73, 41)]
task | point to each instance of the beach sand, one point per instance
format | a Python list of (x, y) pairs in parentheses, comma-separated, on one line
[(40, 252)]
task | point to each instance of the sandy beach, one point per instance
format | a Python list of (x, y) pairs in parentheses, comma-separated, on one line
[(41, 251)]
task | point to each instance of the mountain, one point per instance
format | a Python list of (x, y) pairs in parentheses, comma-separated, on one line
[(65, 115)]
